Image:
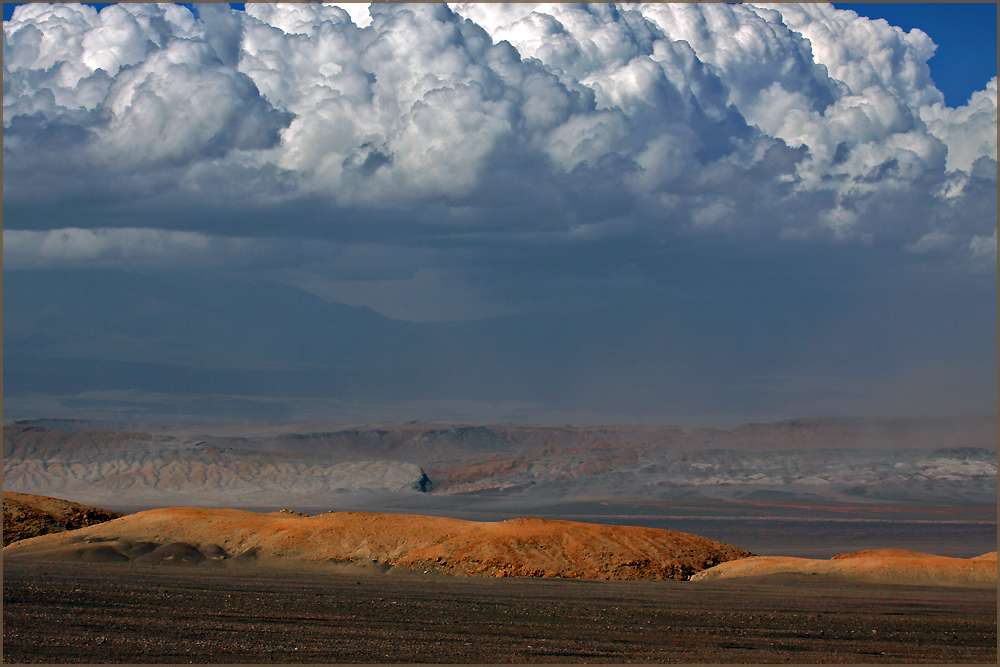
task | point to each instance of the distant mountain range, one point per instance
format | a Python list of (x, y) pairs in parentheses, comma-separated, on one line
[(818, 461)]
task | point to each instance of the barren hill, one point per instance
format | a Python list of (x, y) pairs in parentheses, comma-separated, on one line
[(881, 566), (519, 547), (26, 515)]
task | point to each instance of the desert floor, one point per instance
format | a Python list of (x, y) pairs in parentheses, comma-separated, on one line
[(69, 612)]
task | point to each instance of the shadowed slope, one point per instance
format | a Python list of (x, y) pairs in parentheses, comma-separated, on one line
[(26, 515), (880, 566), (520, 547)]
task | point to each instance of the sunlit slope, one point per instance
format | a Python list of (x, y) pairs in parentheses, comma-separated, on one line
[(519, 547), (880, 566)]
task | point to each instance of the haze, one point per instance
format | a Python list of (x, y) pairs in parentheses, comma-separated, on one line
[(694, 214)]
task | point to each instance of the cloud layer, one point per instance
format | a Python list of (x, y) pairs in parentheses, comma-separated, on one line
[(780, 120), (652, 195), (457, 161)]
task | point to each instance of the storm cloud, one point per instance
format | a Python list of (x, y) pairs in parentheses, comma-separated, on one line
[(459, 161)]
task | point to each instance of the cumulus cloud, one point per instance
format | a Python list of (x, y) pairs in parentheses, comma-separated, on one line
[(73, 247), (771, 121), (969, 131), (293, 260), (862, 53), (984, 249), (132, 88)]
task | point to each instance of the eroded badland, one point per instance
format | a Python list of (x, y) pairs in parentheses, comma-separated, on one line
[(331, 580)]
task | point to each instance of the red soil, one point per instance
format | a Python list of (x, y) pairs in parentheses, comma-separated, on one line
[(880, 566), (26, 515), (520, 547)]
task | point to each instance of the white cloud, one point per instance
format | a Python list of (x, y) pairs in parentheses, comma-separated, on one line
[(720, 212), (358, 12), (134, 86), (970, 131), (152, 249), (304, 262), (413, 105), (863, 53), (86, 247), (984, 249), (767, 68), (931, 242)]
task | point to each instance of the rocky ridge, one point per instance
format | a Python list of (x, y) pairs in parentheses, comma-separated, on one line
[(901, 461), (955, 475), (26, 516), (104, 467)]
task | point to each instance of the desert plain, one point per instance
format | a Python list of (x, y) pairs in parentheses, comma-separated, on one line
[(436, 543)]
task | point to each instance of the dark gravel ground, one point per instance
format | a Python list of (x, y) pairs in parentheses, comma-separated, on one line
[(62, 613)]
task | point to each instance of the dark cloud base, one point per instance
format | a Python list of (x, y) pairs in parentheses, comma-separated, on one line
[(713, 350), (598, 211)]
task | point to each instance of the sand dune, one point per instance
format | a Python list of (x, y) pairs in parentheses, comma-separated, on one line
[(881, 566), (519, 547), (26, 515)]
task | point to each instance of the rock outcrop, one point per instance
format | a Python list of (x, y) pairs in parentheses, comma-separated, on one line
[(26, 515)]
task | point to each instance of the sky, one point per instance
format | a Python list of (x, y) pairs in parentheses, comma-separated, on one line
[(965, 34), (804, 172)]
